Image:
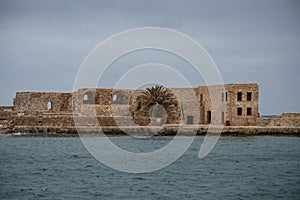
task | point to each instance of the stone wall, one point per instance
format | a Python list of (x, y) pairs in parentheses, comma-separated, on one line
[(34, 103), (234, 103), (5, 116), (109, 107), (211, 104), (286, 119), (187, 111), (169, 110), (67, 121), (226, 103), (194, 104), (6, 112), (185, 106)]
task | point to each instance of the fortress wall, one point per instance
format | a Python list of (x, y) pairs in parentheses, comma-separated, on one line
[(212, 105), (6, 112), (286, 119), (31, 120), (35, 102), (112, 108), (186, 106), (234, 103), (195, 104), (204, 104), (105, 102), (226, 104), (68, 121), (6, 109), (290, 115)]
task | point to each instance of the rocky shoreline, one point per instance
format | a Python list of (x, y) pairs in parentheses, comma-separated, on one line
[(167, 130)]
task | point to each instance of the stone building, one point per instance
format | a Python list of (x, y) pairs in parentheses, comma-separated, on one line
[(229, 104)]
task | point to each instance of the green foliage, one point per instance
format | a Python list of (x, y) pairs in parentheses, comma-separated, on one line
[(139, 106), (154, 95)]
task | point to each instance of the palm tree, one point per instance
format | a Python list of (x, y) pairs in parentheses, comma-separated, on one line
[(155, 96)]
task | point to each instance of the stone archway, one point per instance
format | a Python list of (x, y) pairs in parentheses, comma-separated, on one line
[(167, 112)]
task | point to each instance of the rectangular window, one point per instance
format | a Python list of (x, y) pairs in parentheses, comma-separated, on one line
[(239, 96), (249, 111), (249, 96), (226, 96), (239, 111)]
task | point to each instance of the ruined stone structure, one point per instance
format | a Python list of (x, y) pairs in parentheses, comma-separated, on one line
[(286, 119), (230, 105)]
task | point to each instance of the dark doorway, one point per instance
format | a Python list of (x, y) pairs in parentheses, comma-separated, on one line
[(208, 117), (190, 119), (222, 118)]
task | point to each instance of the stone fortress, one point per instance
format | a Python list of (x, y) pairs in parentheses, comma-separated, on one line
[(235, 106)]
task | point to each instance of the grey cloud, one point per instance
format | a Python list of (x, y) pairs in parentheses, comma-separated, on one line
[(42, 43)]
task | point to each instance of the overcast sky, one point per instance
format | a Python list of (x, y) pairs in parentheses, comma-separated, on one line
[(43, 43)]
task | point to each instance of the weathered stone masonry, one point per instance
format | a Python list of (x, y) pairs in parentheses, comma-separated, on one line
[(237, 105)]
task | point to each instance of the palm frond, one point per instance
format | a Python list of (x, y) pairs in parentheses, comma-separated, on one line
[(154, 94)]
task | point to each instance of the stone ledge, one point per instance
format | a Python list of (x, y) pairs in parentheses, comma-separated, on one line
[(170, 130)]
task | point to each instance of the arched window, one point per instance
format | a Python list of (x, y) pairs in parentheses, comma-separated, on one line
[(49, 105), (85, 97), (88, 98), (119, 97), (114, 98)]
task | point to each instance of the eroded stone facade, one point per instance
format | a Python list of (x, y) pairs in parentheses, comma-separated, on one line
[(230, 104)]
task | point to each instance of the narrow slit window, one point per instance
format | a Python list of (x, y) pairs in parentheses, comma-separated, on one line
[(201, 99)]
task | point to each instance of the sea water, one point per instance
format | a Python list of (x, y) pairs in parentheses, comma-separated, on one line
[(256, 167)]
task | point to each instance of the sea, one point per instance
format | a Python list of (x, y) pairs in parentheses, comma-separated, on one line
[(252, 167)]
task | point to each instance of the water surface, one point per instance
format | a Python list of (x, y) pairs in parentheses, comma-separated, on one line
[(256, 167)]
